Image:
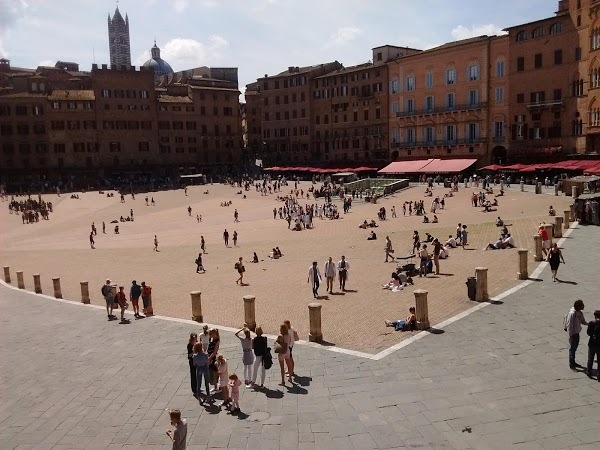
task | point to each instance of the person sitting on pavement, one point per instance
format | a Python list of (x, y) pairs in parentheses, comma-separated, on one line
[(425, 219), (435, 219), (394, 283), (499, 222), (551, 211), (428, 238), (372, 236), (508, 241), (451, 242), (408, 324)]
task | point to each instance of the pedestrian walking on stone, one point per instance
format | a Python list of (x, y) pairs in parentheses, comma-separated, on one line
[(343, 267), (92, 242), (155, 243), (103, 228), (389, 251), (236, 216), (329, 270), (593, 332), (572, 324), (179, 434), (199, 265), (235, 236), (202, 244), (247, 355), (239, 266), (314, 278), (189, 211), (226, 237), (190, 355), (464, 237), (554, 258)]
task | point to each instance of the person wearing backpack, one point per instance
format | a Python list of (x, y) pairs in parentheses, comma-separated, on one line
[(572, 324), (107, 293), (259, 344), (593, 332)]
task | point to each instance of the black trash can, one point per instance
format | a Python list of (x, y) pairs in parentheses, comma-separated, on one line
[(471, 287)]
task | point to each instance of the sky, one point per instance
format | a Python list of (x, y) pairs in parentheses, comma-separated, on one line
[(257, 36)]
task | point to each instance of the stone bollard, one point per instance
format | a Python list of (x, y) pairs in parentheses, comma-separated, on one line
[(20, 279), (481, 289), (197, 306), (85, 292), (250, 312), (37, 284), (556, 189), (522, 186), (558, 227), (149, 311), (573, 213), (421, 310), (567, 218), (501, 185), (537, 244), (574, 192), (523, 271), (466, 183), (7, 274), (56, 286), (314, 318), (548, 228)]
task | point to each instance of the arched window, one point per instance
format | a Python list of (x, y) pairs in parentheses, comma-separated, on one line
[(521, 36), (538, 32), (42, 87), (555, 28), (34, 86)]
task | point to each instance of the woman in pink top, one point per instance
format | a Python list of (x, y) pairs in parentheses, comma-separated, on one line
[(234, 387)]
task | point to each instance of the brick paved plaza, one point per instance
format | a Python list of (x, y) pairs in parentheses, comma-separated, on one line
[(496, 379), (60, 247)]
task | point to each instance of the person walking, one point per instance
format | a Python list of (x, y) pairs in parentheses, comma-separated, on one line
[(247, 355), (199, 265), (235, 236), (239, 266), (343, 267), (103, 228), (389, 250), (329, 272), (554, 258), (189, 211), (314, 278), (416, 241), (464, 236), (572, 324), (226, 237), (155, 243), (593, 332), (92, 242), (259, 344), (179, 434), (190, 355), (236, 216), (545, 239)]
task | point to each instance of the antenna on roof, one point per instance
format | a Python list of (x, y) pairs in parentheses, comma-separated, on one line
[(94, 54)]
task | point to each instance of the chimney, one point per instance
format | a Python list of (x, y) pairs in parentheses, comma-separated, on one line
[(266, 75), (563, 5), (291, 69)]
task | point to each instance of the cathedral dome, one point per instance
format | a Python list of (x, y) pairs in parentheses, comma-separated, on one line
[(160, 66)]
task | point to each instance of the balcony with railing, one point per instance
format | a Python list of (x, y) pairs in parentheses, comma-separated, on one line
[(545, 104), (442, 109)]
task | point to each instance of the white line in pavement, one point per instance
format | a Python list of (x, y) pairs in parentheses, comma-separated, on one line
[(375, 357)]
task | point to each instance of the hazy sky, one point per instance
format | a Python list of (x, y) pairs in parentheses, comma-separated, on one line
[(257, 36)]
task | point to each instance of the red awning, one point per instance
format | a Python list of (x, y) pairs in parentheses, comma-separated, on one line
[(493, 167), (447, 165), (405, 166), (594, 170), (514, 167)]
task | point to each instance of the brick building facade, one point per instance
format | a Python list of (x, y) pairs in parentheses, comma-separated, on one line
[(56, 122)]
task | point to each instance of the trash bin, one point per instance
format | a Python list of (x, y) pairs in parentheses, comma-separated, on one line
[(471, 287)]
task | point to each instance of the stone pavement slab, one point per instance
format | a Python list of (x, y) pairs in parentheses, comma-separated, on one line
[(496, 379)]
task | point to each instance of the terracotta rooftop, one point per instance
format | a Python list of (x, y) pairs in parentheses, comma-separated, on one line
[(350, 69)]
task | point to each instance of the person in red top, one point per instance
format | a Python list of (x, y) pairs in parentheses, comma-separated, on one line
[(146, 295), (122, 300), (545, 239)]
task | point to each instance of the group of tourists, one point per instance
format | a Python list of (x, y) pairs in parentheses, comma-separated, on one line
[(31, 209), (209, 367), (330, 271), (117, 299)]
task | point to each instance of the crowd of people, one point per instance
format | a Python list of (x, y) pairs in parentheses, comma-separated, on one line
[(31, 209)]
